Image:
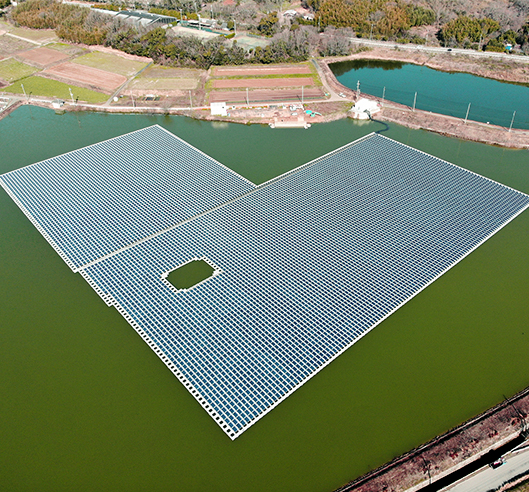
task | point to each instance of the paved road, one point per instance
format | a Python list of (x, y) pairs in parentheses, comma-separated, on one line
[(434, 49), (487, 479)]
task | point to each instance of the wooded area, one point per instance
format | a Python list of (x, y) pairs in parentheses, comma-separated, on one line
[(455, 24)]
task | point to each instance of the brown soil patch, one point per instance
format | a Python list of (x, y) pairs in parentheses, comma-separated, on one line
[(265, 95), (86, 75), (266, 70), (106, 49), (11, 46), (43, 57), (158, 72), (255, 83), (454, 127)]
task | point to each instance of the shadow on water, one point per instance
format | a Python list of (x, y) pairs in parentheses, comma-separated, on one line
[(346, 66)]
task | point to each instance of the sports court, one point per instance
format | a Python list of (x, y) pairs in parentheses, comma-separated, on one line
[(306, 264)]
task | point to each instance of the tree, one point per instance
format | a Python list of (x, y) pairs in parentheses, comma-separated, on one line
[(267, 25), (466, 29)]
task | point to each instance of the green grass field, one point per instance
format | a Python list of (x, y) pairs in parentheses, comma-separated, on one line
[(11, 70), (110, 63), (40, 86)]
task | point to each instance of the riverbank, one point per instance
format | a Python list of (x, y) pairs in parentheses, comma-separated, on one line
[(449, 452)]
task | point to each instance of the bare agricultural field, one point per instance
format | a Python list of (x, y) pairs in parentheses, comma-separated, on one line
[(11, 70), (161, 72), (111, 63), (271, 95), (165, 84), (255, 83), (36, 35), (89, 76), (70, 49), (262, 70), (12, 46), (43, 57)]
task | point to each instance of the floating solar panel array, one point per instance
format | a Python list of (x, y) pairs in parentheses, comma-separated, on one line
[(90, 202), (306, 265)]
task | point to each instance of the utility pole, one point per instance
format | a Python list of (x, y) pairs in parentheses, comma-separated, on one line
[(427, 466), (358, 88), (414, 101), (468, 111), (71, 95), (512, 121), (247, 100), (190, 101), (383, 94), (24, 91)]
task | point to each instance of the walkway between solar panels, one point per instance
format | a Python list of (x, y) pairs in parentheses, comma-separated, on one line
[(257, 187)]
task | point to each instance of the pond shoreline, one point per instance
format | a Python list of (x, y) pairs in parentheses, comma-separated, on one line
[(503, 70), (451, 451), (342, 98), (425, 120)]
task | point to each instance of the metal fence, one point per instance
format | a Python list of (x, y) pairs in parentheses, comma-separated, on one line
[(463, 110)]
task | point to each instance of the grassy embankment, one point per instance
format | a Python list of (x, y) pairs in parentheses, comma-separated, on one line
[(51, 88)]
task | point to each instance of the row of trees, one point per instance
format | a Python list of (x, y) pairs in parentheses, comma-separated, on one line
[(459, 22), (482, 33), (80, 25), (379, 18)]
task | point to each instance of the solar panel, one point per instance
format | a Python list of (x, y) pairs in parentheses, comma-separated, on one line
[(307, 264), (92, 201)]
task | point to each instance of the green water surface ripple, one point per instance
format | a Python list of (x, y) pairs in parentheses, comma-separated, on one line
[(85, 404)]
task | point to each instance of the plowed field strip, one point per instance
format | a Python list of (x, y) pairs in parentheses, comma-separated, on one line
[(265, 95), (43, 56), (87, 75), (253, 83), (242, 72)]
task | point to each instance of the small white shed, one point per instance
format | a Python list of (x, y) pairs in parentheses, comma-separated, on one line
[(219, 109)]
